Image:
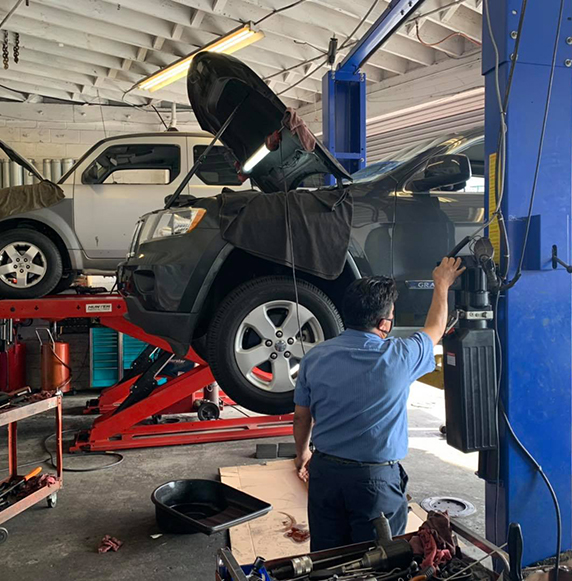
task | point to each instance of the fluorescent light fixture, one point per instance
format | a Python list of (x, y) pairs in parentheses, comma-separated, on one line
[(255, 159), (233, 41)]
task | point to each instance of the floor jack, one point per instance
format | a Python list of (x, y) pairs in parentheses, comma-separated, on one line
[(132, 408)]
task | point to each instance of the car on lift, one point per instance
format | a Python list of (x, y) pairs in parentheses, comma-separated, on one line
[(105, 192), (243, 313)]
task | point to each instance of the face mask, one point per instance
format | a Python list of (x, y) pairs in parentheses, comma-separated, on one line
[(391, 321)]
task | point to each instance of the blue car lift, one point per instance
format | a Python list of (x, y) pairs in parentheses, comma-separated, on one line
[(535, 322), (343, 90), (535, 316)]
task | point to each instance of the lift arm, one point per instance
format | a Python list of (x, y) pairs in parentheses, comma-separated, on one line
[(343, 90)]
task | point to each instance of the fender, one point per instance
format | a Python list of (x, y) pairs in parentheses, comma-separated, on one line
[(57, 218), (220, 260)]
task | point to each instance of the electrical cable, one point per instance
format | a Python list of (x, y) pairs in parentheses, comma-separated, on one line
[(287, 70), (160, 116), (278, 10), (101, 111), (291, 246), (50, 458), (500, 164), (452, 35), (540, 471), (117, 455), (497, 415), (361, 22), (518, 272), (440, 9), (319, 66), (142, 107), (11, 11)]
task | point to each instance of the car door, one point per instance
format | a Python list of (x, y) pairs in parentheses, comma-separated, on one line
[(215, 172), (123, 179), (372, 226), (428, 225)]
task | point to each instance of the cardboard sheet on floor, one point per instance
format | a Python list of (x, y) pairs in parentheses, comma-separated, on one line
[(278, 484)]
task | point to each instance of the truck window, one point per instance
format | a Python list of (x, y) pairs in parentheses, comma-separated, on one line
[(217, 169), (135, 164)]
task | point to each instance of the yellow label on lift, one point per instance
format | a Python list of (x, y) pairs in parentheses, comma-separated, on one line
[(494, 228)]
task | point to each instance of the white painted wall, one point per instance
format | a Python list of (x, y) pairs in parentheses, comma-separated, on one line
[(404, 92), (41, 130)]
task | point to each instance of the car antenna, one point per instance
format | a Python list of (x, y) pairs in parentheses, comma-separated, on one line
[(202, 157)]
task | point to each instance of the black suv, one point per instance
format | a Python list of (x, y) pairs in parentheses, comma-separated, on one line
[(184, 281)]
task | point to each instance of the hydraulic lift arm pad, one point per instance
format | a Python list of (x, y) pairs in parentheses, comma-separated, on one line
[(470, 389)]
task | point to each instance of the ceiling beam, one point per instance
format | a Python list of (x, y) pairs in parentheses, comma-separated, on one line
[(57, 16), (281, 25)]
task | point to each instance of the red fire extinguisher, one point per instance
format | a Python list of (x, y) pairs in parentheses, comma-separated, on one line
[(55, 356)]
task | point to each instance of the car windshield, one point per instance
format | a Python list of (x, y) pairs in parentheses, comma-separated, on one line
[(380, 168)]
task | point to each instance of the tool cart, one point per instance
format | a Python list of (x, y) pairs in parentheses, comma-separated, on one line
[(13, 496)]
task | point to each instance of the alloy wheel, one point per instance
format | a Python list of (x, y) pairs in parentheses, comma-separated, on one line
[(22, 264), (270, 342)]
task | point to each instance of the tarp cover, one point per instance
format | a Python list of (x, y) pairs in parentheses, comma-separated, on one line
[(20, 199), (321, 225)]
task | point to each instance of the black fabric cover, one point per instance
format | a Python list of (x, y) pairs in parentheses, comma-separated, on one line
[(20, 199), (321, 226)]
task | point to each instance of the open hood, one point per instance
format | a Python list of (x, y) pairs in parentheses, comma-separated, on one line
[(217, 84), (22, 161)]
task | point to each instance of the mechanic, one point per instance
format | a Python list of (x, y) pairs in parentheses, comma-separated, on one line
[(351, 398)]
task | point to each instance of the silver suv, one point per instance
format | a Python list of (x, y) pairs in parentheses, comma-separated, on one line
[(115, 182)]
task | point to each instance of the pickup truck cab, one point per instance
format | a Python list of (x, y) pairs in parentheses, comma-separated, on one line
[(106, 191)]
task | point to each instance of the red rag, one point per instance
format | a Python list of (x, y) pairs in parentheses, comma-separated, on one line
[(434, 540), (109, 543)]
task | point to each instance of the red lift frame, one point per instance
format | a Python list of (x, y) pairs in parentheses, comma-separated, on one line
[(119, 430)]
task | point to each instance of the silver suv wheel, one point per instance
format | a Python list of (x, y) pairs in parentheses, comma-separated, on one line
[(268, 346), (22, 264)]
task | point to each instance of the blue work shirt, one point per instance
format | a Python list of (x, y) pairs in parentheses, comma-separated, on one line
[(356, 386)]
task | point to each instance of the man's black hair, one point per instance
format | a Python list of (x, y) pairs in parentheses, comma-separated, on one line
[(368, 300)]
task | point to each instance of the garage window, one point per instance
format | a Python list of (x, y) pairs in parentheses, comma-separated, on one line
[(218, 168), (135, 164)]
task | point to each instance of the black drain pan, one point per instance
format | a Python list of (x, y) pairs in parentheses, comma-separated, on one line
[(203, 506)]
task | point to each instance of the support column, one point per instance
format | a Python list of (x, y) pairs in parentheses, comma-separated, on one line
[(535, 316), (343, 117)]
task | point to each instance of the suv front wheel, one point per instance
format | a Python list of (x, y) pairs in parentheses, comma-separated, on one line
[(30, 264), (254, 341)]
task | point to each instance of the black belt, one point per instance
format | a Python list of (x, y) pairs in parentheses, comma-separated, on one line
[(353, 462)]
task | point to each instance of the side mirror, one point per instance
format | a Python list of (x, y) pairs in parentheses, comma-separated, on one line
[(442, 171)]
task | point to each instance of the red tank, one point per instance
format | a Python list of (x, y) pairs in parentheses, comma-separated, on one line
[(13, 367), (56, 371)]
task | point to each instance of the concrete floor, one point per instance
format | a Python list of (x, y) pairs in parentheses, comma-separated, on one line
[(60, 544)]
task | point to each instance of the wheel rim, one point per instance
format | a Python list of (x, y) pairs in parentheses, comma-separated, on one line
[(22, 265), (268, 346)]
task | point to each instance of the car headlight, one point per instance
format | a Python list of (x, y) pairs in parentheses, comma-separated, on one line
[(171, 223)]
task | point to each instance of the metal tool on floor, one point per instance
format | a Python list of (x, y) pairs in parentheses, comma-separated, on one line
[(349, 563)]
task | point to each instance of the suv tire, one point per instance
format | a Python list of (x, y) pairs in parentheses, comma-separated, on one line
[(254, 343), (39, 259)]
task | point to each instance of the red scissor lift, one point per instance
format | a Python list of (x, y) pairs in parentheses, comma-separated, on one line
[(129, 407)]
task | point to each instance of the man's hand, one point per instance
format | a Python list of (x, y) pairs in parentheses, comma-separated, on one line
[(444, 276), (447, 272), (302, 462)]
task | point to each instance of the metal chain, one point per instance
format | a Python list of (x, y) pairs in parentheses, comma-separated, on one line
[(16, 47), (5, 54)]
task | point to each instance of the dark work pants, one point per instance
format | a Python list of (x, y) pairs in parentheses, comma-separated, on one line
[(344, 497)]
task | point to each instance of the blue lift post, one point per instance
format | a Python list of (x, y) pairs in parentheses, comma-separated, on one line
[(343, 90), (535, 315)]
